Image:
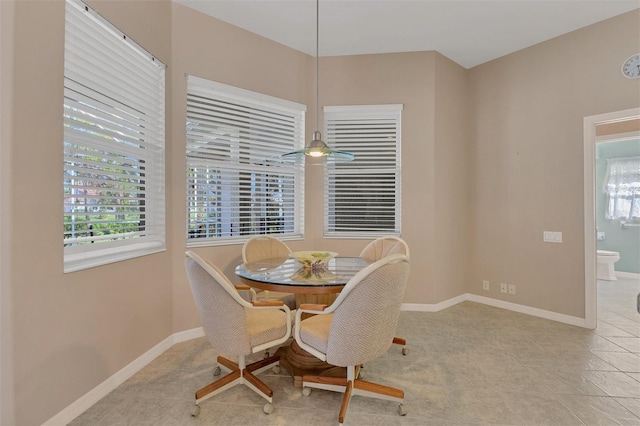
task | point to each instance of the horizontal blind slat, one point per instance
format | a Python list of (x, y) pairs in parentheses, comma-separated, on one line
[(113, 141), (364, 194), (237, 184)]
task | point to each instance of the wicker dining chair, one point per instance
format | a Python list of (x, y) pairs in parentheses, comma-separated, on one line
[(235, 326), (376, 250), (356, 328), (262, 247)]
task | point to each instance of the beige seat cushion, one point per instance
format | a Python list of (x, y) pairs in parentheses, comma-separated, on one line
[(314, 331), (265, 325)]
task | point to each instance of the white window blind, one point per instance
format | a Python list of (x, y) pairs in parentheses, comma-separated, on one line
[(237, 184), (114, 114), (362, 197)]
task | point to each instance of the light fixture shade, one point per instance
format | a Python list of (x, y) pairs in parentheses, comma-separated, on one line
[(317, 148)]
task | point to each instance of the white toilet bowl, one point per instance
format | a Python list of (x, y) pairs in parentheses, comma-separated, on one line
[(605, 265)]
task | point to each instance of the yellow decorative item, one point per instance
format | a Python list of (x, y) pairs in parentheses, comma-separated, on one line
[(313, 259)]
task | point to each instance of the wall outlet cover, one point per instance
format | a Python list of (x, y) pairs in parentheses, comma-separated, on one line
[(552, 237)]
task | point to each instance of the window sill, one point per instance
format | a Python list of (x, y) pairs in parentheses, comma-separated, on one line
[(89, 259)]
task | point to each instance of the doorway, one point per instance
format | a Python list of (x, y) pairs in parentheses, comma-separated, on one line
[(612, 125)]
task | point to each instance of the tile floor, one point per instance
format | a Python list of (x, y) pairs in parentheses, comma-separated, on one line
[(470, 364)]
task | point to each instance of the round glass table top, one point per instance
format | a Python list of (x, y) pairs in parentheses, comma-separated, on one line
[(289, 272)]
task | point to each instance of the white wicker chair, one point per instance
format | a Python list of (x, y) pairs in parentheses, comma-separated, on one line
[(263, 247), (376, 250), (236, 327), (384, 246), (356, 328)]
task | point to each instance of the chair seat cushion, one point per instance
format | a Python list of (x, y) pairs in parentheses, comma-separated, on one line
[(314, 331), (265, 325)]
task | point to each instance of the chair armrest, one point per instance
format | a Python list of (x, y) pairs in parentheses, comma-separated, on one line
[(312, 307), (267, 303), (244, 287)]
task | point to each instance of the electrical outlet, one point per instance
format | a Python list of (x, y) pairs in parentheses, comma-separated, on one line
[(503, 288), (485, 285), (512, 289), (552, 237)]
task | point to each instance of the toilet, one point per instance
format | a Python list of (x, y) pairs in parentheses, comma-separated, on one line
[(605, 265)]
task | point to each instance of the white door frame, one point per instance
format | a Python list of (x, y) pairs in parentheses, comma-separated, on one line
[(590, 281)]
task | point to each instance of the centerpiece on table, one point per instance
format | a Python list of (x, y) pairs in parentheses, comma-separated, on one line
[(314, 260)]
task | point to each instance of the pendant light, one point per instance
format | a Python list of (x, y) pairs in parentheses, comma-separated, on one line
[(317, 147)]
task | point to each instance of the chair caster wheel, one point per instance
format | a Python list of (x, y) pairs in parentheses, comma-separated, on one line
[(401, 410), (360, 374), (276, 369), (217, 371), (268, 408), (405, 350), (196, 411), (306, 391), (266, 355)]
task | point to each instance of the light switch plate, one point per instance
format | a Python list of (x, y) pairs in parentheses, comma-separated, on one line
[(552, 237)]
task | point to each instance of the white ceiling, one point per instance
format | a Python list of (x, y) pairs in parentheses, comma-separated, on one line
[(469, 32)]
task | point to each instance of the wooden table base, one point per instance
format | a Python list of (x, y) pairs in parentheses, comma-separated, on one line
[(299, 362)]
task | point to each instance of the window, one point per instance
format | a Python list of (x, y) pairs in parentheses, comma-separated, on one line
[(362, 197), (622, 188), (237, 184), (113, 144)]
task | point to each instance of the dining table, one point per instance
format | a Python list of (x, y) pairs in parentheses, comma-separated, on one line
[(318, 285)]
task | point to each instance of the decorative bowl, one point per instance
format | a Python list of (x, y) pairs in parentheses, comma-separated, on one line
[(313, 259)]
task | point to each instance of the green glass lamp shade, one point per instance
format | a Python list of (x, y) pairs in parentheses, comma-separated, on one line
[(317, 148)]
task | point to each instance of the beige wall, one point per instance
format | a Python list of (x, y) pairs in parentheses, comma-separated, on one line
[(6, 124), (211, 49), (491, 157), (407, 78), (432, 90), (626, 126), (453, 162), (71, 331), (528, 167), (389, 79)]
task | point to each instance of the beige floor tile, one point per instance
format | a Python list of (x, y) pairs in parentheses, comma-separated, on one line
[(597, 410), (631, 344), (623, 361), (470, 364), (614, 383), (631, 404), (540, 409)]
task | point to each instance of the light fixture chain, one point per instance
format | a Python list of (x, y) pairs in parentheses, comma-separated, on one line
[(316, 147), (317, 62)]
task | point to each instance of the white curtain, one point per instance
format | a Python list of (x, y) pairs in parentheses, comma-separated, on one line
[(622, 187)]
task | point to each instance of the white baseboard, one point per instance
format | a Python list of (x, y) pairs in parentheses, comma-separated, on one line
[(183, 336), (82, 404), (541, 313), (419, 307), (554, 316), (628, 275), (94, 395)]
